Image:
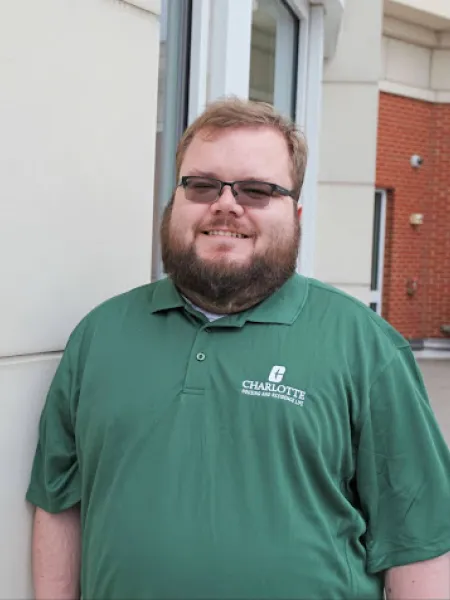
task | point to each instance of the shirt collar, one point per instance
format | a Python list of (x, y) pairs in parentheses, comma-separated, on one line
[(282, 307), (165, 296)]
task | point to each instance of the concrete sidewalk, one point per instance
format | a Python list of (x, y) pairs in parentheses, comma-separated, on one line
[(436, 374)]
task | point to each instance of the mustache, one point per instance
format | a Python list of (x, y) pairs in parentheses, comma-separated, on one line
[(227, 223)]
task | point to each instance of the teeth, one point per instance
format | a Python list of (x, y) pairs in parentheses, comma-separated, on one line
[(227, 234)]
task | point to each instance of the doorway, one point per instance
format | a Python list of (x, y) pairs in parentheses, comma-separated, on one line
[(378, 242)]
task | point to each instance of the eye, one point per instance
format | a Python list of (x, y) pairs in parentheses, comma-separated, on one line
[(201, 185), (256, 190)]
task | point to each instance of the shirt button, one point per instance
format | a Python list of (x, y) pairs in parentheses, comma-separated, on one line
[(200, 356)]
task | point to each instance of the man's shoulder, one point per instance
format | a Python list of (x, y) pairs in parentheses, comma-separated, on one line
[(112, 311), (334, 306)]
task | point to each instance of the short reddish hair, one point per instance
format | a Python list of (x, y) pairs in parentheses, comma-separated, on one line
[(235, 113)]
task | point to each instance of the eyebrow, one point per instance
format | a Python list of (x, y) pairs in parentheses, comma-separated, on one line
[(210, 174), (199, 173)]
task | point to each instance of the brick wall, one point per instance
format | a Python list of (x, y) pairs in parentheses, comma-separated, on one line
[(438, 296), (415, 256)]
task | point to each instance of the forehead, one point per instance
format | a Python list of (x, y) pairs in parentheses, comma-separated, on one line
[(239, 153)]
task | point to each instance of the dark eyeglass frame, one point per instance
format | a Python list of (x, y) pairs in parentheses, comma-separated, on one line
[(276, 190)]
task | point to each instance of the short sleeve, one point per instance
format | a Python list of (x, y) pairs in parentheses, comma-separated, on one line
[(55, 479), (403, 470)]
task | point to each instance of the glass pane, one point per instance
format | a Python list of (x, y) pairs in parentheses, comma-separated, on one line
[(262, 57), (175, 23), (374, 283), (273, 58)]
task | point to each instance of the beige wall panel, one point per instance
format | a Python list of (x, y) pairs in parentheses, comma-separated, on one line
[(409, 32), (360, 29), (23, 387), (348, 133), (440, 70), (78, 118), (408, 64), (344, 234)]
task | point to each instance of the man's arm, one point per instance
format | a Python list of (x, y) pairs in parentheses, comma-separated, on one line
[(56, 555), (427, 580)]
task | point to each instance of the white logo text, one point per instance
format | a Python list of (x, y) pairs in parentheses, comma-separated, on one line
[(273, 388)]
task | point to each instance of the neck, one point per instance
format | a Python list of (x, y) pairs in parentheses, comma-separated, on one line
[(237, 303)]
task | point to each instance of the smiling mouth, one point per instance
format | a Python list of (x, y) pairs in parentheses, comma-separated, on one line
[(230, 234)]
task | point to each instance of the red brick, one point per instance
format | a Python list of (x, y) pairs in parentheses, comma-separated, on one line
[(408, 127)]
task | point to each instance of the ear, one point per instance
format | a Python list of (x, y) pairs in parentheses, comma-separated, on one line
[(299, 211)]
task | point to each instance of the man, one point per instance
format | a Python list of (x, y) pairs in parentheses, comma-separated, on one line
[(237, 430)]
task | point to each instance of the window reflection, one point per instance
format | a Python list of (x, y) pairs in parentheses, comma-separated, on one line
[(274, 53)]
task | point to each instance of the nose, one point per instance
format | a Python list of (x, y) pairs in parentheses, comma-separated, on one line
[(226, 203)]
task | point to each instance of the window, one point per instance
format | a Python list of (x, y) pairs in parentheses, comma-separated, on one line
[(274, 54), (378, 240), (172, 110)]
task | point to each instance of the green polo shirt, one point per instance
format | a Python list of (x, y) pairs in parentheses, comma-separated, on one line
[(288, 451)]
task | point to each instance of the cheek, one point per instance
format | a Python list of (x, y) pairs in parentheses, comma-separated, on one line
[(184, 221), (273, 228)]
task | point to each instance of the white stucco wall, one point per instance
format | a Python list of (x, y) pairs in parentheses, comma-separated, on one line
[(348, 152), (77, 122), (440, 71), (415, 61)]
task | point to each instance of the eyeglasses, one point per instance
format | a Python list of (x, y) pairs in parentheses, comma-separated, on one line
[(247, 193)]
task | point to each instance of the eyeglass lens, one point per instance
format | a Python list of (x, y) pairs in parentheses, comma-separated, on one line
[(248, 193)]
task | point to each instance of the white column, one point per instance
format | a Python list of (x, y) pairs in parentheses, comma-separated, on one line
[(312, 130), (230, 43), (348, 142)]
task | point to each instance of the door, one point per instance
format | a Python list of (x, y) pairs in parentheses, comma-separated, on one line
[(378, 240)]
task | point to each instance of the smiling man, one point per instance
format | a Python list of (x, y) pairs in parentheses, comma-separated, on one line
[(230, 235), (236, 430)]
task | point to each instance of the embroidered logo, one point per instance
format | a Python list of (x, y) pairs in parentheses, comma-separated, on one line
[(273, 388), (277, 374)]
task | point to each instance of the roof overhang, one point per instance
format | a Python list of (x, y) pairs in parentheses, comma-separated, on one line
[(432, 14)]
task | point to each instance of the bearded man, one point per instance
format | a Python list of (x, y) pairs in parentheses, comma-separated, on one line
[(237, 430)]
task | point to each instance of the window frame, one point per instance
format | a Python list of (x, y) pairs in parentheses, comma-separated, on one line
[(221, 39), (176, 29)]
